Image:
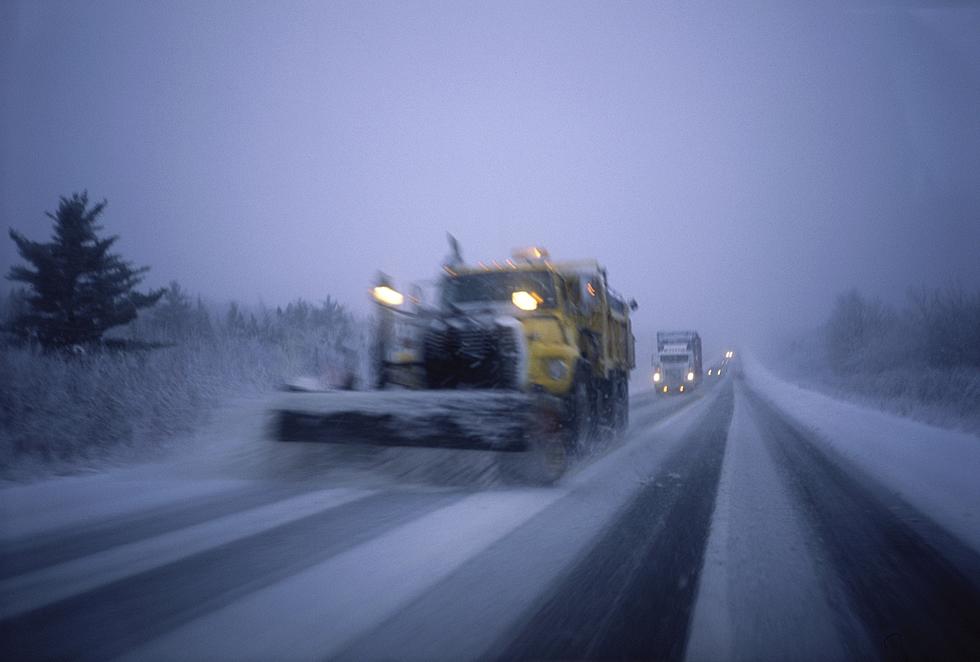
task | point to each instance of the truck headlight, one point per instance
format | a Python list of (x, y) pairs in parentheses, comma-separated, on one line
[(690, 376), (525, 300), (656, 377), (387, 296), (557, 368)]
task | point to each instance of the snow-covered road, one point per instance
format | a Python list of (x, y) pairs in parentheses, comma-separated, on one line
[(728, 524)]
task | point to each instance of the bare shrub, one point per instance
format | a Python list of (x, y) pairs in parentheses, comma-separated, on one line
[(922, 361)]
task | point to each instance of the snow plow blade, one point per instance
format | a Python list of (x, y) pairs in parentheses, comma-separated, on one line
[(489, 420)]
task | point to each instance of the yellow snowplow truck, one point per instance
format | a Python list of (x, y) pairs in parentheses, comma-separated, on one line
[(529, 357)]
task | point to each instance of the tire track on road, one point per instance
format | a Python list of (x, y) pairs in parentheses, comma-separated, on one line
[(632, 595), (320, 611), (110, 620), (896, 577), (65, 544), (655, 408)]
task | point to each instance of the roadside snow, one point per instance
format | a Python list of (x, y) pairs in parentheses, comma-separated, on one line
[(224, 457), (936, 471)]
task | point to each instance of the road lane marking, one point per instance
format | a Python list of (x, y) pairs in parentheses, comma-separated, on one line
[(47, 507), (492, 596), (41, 587), (630, 595), (315, 613)]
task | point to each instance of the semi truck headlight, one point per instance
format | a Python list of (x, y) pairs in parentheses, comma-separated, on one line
[(557, 368), (656, 376), (690, 376)]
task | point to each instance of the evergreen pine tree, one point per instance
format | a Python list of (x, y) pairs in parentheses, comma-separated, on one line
[(77, 288)]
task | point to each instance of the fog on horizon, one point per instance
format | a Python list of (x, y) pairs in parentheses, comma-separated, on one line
[(733, 167)]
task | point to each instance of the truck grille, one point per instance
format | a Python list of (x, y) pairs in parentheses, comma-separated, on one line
[(475, 343), (464, 344), (476, 356)]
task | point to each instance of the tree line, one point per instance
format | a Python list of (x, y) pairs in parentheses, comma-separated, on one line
[(938, 329), (76, 294)]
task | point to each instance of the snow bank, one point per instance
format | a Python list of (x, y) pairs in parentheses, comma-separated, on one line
[(936, 471)]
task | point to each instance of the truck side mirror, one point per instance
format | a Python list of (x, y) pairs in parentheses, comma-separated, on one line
[(633, 304)]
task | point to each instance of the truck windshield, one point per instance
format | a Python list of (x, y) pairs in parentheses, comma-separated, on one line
[(498, 286), (674, 358)]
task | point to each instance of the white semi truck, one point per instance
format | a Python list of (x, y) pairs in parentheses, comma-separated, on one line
[(677, 363)]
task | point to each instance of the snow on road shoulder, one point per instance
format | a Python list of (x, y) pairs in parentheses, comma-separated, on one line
[(934, 470), (218, 459)]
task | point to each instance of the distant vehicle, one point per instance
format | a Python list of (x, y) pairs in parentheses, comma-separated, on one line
[(716, 371), (677, 364)]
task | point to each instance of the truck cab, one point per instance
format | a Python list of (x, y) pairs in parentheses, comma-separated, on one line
[(526, 324), (502, 326)]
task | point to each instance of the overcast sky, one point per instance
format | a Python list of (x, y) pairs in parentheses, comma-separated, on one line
[(733, 165)]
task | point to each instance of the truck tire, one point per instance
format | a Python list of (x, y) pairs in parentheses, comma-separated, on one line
[(608, 406), (622, 408), (579, 422)]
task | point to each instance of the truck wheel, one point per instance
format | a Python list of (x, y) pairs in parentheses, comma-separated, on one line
[(607, 402), (579, 420), (623, 405)]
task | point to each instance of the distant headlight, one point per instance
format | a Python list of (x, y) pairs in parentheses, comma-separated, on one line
[(557, 368), (690, 376), (709, 372), (656, 376)]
